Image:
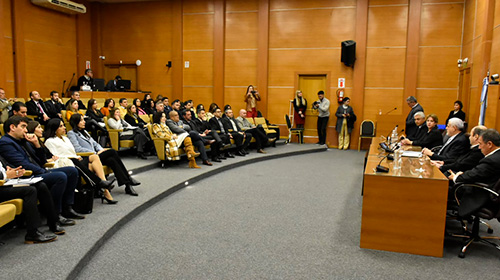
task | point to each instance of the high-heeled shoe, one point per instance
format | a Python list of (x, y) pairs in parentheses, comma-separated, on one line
[(109, 201)]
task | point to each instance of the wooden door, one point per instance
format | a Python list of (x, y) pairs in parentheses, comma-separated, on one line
[(464, 82), (310, 85), (126, 71)]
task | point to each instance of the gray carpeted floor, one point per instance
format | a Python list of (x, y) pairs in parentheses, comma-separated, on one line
[(290, 218)]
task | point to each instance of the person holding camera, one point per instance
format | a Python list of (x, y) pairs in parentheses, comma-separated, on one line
[(251, 98), (345, 123), (323, 107)]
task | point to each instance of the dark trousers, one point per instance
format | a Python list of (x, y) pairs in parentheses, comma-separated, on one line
[(62, 184), (241, 141), (29, 197), (322, 124), (110, 158), (139, 138), (84, 171), (260, 136)]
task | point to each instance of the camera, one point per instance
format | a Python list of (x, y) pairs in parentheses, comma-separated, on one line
[(253, 91), (315, 103)]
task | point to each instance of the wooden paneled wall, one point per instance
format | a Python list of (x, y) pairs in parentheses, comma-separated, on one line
[(407, 47)]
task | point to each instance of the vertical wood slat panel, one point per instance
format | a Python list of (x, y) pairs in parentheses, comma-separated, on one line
[(360, 68), (18, 12), (219, 35), (412, 50), (263, 54), (177, 53), (3, 77)]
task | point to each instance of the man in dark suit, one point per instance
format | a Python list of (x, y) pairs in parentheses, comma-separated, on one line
[(36, 107), (54, 105), (420, 131), (220, 128), (22, 149), (31, 195), (411, 127), (487, 169), (456, 145), (466, 161), (111, 86), (201, 125), (241, 138), (76, 95)]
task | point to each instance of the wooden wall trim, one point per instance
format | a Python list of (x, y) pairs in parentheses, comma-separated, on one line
[(412, 50), (263, 55), (357, 97), (19, 10), (96, 42), (3, 72), (219, 44), (177, 56), (483, 62)]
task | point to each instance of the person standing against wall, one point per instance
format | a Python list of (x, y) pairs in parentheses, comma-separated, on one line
[(323, 107), (345, 123), (251, 98)]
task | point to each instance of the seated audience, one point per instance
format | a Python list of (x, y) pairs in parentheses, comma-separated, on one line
[(177, 126), (457, 111), (95, 123), (36, 107), (75, 95), (176, 106), (133, 118), (148, 106), (109, 104), (72, 108), (22, 149), (420, 127), (467, 161), (5, 105), (159, 107), (83, 143), (201, 125), (456, 145), (123, 107), (90, 167), (430, 138), (258, 133), (166, 105), (147, 97), (19, 109), (241, 138), (129, 132), (54, 105), (203, 136), (174, 141), (486, 171), (31, 195), (137, 102), (211, 110)]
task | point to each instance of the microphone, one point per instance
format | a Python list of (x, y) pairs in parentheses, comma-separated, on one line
[(67, 89), (381, 168), (392, 110), (62, 92), (386, 148)]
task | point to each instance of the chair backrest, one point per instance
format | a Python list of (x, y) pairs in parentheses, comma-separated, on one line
[(145, 118), (367, 128), (288, 123)]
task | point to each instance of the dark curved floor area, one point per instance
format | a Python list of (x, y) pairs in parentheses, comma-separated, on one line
[(288, 218)]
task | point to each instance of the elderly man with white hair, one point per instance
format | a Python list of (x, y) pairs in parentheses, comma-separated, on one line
[(456, 145)]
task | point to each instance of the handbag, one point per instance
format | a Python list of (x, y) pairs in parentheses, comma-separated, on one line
[(84, 199)]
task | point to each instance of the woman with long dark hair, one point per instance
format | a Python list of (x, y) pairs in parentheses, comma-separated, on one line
[(109, 104), (90, 168), (95, 123), (129, 132), (251, 98), (137, 103), (149, 106), (83, 143)]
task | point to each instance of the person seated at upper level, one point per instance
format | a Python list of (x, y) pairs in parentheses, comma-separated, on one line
[(83, 143), (86, 82), (111, 85), (466, 161), (431, 137), (486, 171), (75, 95), (109, 104), (54, 105), (456, 145), (37, 108), (174, 141), (457, 111)]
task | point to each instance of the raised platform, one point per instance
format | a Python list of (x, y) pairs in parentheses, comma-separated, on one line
[(70, 253)]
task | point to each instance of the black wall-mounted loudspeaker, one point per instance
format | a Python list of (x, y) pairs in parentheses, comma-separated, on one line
[(348, 55)]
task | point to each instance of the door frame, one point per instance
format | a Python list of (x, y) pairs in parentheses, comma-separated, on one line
[(314, 73)]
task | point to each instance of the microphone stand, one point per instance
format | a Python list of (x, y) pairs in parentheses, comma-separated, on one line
[(390, 111), (67, 89), (62, 92)]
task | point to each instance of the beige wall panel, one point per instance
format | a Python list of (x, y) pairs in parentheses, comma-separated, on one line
[(385, 67), (50, 27), (241, 30), (440, 1), (279, 103), (199, 95), (387, 2), (439, 102), (496, 21), (387, 20), (6, 18), (9, 68), (466, 51), (311, 28), (477, 53), (197, 6), (475, 95), (238, 5), (441, 25), (60, 62), (385, 100), (492, 110), (438, 67), (240, 68), (198, 33), (234, 97), (481, 8), (284, 64), (495, 55), (297, 4), (200, 71), (138, 26), (470, 11)]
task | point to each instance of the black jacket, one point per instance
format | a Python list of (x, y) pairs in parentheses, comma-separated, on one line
[(458, 146), (429, 139), (464, 162)]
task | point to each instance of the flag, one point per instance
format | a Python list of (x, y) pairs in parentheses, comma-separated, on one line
[(484, 101)]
